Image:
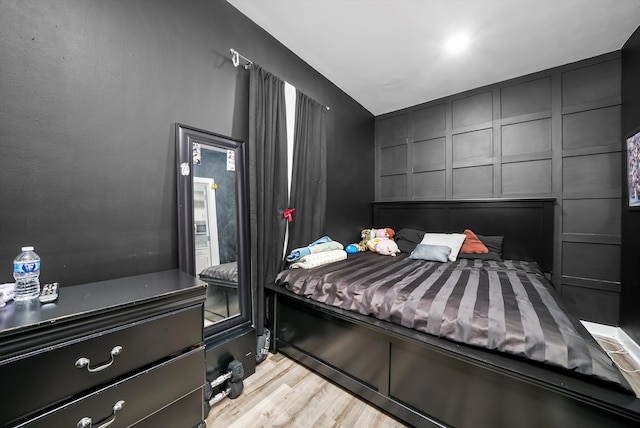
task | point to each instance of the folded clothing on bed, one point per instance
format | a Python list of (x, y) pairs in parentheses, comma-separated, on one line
[(321, 245), (319, 259)]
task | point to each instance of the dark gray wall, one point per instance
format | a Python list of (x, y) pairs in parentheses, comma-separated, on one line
[(555, 133), (630, 315), (89, 91)]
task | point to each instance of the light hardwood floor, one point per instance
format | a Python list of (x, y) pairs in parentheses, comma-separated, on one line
[(283, 393)]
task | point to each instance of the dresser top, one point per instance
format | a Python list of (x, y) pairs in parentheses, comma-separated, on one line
[(85, 300)]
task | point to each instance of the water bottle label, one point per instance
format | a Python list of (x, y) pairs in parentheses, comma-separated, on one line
[(26, 267)]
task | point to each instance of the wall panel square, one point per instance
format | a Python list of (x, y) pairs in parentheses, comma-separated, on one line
[(591, 128), (429, 122), (595, 176), (429, 185), (591, 216), (526, 137), (393, 187), (473, 146), (526, 98), (593, 261), (393, 127), (474, 181), (393, 158), (523, 178), (593, 305), (593, 83), (472, 110), (429, 154)]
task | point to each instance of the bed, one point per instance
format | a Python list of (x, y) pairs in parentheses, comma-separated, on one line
[(221, 279), (427, 372)]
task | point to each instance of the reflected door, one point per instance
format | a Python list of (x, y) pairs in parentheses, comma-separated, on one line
[(205, 223)]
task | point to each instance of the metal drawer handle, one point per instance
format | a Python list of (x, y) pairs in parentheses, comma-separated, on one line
[(86, 422), (85, 362)]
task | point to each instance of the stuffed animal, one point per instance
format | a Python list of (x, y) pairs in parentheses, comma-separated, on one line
[(383, 246), (369, 234), (379, 241), (365, 236)]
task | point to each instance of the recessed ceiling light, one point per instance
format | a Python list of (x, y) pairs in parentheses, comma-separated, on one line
[(457, 43)]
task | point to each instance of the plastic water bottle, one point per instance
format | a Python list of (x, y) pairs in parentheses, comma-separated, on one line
[(26, 272)]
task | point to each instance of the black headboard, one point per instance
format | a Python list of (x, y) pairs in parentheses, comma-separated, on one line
[(526, 224)]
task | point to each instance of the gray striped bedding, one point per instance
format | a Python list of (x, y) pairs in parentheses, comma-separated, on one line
[(506, 306)]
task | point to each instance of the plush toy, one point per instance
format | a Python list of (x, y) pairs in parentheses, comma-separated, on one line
[(387, 232), (383, 246), (379, 241), (369, 234), (365, 236)]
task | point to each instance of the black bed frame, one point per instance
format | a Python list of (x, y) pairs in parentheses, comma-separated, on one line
[(426, 381)]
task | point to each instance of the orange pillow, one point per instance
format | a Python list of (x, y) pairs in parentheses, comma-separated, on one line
[(472, 244)]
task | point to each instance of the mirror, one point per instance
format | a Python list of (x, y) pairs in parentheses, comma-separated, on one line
[(213, 223)]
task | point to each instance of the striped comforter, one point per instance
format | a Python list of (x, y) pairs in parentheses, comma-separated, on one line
[(503, 306)]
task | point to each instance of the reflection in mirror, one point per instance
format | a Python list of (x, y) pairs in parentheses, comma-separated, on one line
[(212, 222)]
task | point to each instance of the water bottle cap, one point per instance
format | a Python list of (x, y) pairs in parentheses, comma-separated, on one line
[(27, 248)]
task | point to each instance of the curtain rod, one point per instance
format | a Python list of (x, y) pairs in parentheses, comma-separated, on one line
[(235, 59)]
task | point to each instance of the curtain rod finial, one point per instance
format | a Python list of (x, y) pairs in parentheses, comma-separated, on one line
[(235, 57)]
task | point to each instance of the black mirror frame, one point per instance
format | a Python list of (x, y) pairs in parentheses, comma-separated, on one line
[(185, 136)]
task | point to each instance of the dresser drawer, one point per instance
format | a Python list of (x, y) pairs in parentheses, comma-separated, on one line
[(51, 375), (184, 413), (137, 396)]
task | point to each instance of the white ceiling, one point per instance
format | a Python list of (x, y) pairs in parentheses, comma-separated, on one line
[(388, 54)]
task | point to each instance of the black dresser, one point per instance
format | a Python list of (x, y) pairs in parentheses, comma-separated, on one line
[(118, 353)]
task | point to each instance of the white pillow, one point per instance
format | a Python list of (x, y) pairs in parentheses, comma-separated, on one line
[(451, 240)]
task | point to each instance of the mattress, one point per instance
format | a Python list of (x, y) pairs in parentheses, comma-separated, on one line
[(504, 306), (225, 274)]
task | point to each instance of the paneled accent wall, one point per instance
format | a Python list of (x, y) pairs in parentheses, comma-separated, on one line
[(630, 315), (551, 134)]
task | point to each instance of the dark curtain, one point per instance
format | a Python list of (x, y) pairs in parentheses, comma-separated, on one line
[(267, 181), (309, 178)]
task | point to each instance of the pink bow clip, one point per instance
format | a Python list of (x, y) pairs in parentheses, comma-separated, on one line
[(288, 214)]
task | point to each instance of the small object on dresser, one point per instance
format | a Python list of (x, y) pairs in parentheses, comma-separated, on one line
[(49, 293), (26, 272)]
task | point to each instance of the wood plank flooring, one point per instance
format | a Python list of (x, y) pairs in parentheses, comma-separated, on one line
[(283, 393)]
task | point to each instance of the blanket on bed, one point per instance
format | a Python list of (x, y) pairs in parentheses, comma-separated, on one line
[(504, 306), (323, 244), (319, 259)]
